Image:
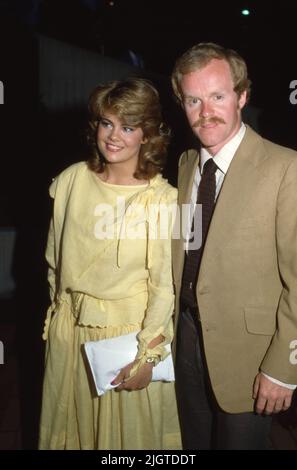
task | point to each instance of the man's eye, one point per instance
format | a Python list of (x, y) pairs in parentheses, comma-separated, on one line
[(218, 97), (192, 101)]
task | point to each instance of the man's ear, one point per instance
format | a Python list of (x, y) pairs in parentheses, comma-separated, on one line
[(242, 99)]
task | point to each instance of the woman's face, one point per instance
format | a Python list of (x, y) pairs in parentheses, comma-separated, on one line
[(119, 143)]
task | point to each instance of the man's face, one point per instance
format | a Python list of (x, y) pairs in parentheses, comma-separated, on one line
[(212, 107)]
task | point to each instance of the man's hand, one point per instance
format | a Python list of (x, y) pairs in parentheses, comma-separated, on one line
[(270, 397)]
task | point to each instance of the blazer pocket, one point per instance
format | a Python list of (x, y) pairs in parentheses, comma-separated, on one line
[(260, 320)]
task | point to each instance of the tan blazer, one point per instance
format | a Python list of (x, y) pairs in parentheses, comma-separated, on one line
[(247, 286)]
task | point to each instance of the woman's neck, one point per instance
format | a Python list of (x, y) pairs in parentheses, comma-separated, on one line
[(114, 175)]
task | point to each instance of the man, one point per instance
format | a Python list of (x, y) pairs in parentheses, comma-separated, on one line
[(236, 295)]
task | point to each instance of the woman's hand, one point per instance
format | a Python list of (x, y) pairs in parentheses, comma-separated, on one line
[(141, 379), (143, 376)]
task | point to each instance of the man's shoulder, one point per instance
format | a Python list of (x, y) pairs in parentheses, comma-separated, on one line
[(188, 156), (271, 149), (276, 150)]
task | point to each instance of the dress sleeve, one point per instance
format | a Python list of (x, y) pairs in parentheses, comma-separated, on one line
[(51, 261), (158, 318), (50, 257), (58, 190), (50, 249)]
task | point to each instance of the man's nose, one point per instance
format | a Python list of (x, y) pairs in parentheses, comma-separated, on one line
[(206, 110)]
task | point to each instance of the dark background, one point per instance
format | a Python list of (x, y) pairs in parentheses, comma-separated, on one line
[(35, 145), (149, 34)]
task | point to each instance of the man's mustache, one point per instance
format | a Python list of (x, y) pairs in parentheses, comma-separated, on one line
[(212, 120)]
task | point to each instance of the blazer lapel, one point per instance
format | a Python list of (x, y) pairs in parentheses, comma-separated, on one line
[(187, 170), (243, 176), (187, 173)]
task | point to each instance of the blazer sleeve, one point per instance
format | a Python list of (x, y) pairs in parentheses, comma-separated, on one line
[(280, 359)]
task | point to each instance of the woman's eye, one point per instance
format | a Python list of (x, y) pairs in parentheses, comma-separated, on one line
[(104, 123), (128, 129)]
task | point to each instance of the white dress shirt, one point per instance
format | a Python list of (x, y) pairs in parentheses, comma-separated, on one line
[(222, 159)]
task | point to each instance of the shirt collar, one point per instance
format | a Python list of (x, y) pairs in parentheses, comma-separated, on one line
[(224, 157)]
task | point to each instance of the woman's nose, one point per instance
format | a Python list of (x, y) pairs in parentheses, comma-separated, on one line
[(113, 135)]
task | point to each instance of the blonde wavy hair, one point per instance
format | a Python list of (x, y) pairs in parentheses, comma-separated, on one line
[(135, 101)]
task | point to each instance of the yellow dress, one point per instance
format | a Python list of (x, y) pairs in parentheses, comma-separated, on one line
[(109, 261)]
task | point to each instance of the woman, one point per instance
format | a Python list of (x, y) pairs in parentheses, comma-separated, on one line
[(110, 275)]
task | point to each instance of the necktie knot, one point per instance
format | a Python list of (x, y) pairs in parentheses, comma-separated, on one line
[(209, 167)]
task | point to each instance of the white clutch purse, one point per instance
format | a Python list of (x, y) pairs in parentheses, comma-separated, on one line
[(108, 356)]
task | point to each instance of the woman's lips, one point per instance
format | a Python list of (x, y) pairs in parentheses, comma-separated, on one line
[(112, 147)]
